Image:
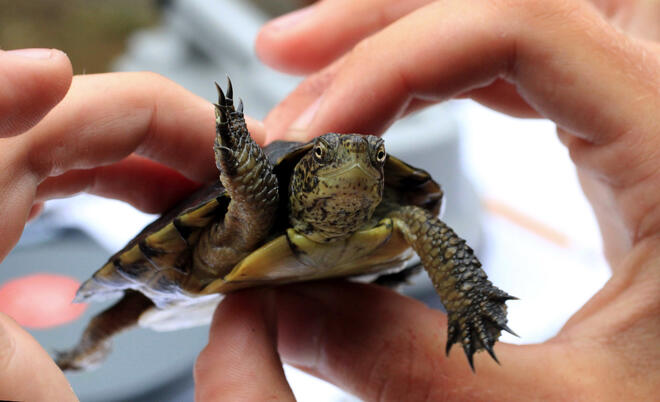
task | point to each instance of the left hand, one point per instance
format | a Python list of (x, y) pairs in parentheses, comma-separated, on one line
[(125, 136)]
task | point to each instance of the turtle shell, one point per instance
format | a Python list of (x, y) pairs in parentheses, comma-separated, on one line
[(157, 261)]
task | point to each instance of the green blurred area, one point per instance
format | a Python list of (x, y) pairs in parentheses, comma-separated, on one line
[(91, 32)]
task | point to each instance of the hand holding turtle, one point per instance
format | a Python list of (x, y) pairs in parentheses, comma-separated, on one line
[(32, 82), (120, 135), (561, 60)]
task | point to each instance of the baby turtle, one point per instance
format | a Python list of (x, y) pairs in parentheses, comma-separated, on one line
[(338, 206)]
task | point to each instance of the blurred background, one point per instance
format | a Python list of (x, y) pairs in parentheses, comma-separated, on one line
[(511, 188)]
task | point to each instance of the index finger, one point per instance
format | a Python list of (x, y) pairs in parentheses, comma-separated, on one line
[(32, 81), (563, 58)]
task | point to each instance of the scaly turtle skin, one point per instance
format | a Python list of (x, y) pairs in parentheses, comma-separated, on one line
[(338, 206)]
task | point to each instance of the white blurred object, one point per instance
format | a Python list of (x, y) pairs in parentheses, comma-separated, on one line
[(544, 245)]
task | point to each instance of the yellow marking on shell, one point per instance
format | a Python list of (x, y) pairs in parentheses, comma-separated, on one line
[(107, 274), (166, 240), (367, 251), (201, 216), (131, 256)]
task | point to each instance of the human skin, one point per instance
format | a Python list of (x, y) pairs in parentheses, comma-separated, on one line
[(372, 61), (127, 136), (116, 135)]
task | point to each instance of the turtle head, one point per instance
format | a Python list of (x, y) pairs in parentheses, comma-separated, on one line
[(337, 185)]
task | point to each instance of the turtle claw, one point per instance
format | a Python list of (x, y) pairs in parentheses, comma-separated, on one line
[(491, 352), (221, 95), (230, 89), (478, 327), (504, 327)]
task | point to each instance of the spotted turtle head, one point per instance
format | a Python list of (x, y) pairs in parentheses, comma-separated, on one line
[(337, 185)]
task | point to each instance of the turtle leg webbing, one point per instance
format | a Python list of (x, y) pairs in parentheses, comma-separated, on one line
[(94, 345), (476, 309)]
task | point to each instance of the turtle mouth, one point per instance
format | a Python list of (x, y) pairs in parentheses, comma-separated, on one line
[(357, 167)]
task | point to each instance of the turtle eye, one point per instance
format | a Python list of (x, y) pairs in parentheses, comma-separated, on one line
[(380, 155), (319, 152)]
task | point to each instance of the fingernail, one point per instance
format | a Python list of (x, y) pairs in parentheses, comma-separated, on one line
[(289, 20), (35, 53), (302, 123)]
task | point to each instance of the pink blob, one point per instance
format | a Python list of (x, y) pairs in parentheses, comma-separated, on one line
[(41, 300)]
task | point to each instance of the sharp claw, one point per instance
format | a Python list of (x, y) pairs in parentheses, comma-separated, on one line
[(230, 89), (221, 95), (240, 106), (489, 349), (452, 336), (469, 353), (218, 89), (504, 327), (450, 343)]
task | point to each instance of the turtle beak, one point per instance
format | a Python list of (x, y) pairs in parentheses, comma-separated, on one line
[(354, 170)]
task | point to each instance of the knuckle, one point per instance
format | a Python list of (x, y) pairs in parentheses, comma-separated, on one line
[(153, 77)]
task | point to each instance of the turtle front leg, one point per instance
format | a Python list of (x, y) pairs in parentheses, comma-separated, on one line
[(476, 308), (247, 175), (245, 171)]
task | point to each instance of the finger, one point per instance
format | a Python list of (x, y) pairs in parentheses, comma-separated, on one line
[(106, 117), (240, 362), (102, 120), (28, 373), (503, 97), (35, 211), (32, 81), (311, 38), (374, 86), (143, 183), (584, 82), (289, 120), (380, 345), (282, 121)]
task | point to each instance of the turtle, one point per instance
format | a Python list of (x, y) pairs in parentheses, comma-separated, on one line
[(336, 206)]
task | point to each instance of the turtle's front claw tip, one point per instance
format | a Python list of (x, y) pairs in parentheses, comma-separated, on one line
[(469, 353), (491, 352), (506, 328)]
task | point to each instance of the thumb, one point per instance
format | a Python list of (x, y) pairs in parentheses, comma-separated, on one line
[(28, 373)]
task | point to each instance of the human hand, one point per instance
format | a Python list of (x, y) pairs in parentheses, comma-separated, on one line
[(32, 82), (127, 136), (373, 61)]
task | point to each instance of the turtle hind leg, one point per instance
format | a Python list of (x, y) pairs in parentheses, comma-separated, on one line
[(94, 345), (476, 308)]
